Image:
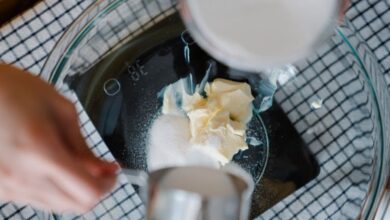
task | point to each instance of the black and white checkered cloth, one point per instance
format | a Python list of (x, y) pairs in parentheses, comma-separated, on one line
[(27, 41)]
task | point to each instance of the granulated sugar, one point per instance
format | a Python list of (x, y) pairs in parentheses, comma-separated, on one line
[(169, 144), (169, 137)]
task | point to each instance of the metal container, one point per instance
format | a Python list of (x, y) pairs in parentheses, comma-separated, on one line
[(195, 193)]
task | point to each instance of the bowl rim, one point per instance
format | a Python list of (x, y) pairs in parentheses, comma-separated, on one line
[(375, 192)]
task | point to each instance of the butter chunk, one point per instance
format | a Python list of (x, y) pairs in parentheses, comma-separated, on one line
[(217, 121)]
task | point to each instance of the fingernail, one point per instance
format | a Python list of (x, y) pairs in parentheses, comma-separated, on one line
[(115, 166), (103, 168), (109, 168)]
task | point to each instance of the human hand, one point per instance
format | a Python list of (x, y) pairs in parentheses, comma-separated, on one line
[(343, 9), (44, 160)]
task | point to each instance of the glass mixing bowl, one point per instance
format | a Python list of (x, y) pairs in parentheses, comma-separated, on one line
[(336, 100)]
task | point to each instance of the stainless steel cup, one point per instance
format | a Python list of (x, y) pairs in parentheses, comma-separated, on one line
[(197, 193)]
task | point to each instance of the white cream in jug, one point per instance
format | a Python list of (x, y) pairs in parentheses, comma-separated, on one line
[(268, 33)]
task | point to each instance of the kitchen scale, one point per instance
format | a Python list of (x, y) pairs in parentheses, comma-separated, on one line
[(120, 94)]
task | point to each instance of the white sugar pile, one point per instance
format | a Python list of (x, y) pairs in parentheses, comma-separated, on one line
[(168, 138), (169, 144)]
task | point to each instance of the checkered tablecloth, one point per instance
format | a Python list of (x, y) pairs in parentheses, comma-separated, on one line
[(27, 41)]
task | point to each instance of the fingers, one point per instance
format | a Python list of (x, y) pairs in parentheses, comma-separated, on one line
[(66, 117), (345, 5), (72, 178), (49, 166), (40, 192), (61, 201), (53, 184), (63, 168), (343, 9)]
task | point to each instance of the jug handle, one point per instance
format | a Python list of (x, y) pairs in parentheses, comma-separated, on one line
[(139, 178), (136, 177)]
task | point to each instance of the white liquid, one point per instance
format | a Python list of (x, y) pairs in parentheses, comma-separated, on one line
[(263, 33)]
